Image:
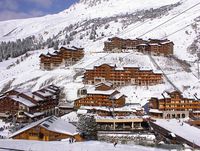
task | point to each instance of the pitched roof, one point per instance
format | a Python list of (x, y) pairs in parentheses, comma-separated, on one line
[(109, 84), (51, 123), (22, 100), (108, 92)]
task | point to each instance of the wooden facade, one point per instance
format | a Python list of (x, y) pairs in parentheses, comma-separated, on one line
[(174, 105), (65, 56), (101, 98), (157, 47), (48, 129), (151, 46), (120, 77), (25, 105), (101, 94), (116, 44)]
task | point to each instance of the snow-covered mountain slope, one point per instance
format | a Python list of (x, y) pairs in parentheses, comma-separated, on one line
[(52, 24), (124, 18), (89, 23)]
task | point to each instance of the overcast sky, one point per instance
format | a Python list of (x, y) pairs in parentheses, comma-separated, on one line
[(15, 9)]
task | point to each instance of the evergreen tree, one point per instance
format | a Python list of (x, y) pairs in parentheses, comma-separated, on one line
[(87, 126), (56, 43)]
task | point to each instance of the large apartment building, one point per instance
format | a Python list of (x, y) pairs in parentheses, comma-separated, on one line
[(25, 105), (174, 105), (103, 100), (151, 46), (116, 44), (65, 56), (98, 96), (122, 76), (157, 47)]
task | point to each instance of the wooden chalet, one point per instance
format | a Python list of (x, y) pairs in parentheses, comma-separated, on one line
[(157, 47), (48, 129), (116, 44), (65, 56), (101, 96), (25, 105), (122, 76), (151, 46), (174, 105)]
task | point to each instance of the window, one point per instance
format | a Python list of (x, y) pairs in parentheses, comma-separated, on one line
[(45, 125)]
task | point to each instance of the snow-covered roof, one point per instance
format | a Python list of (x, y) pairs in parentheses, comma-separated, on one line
[(173, 135), (131, 117), (131, 66), (28, 127), (155, 111), (119, 68), (54, 54), (165, 95), (109, 64), (34, 114), (117, 96), (20, 90), (109, 109), (154, 44), (104, 83), (22, 100), (157, 71), (35, 97), (165, 42), (51, 90), (145, 69), (81, 111), (143, 44), (108, 92), (58, 125), (185, 130), (53, 124), (53, 87), (73, 48), (44, 93)]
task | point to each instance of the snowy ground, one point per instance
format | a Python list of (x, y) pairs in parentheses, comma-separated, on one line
[(65, 146), (5, 132), (71, 117), (27, 74)]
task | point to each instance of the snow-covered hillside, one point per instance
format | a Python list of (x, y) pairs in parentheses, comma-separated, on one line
[(52, 24), (90, 23), (124, 18)]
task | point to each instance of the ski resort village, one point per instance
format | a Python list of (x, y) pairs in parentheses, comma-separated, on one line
[(102, 75)]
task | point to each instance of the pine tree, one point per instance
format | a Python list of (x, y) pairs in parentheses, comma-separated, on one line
[(87, 126), (56, 43)]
